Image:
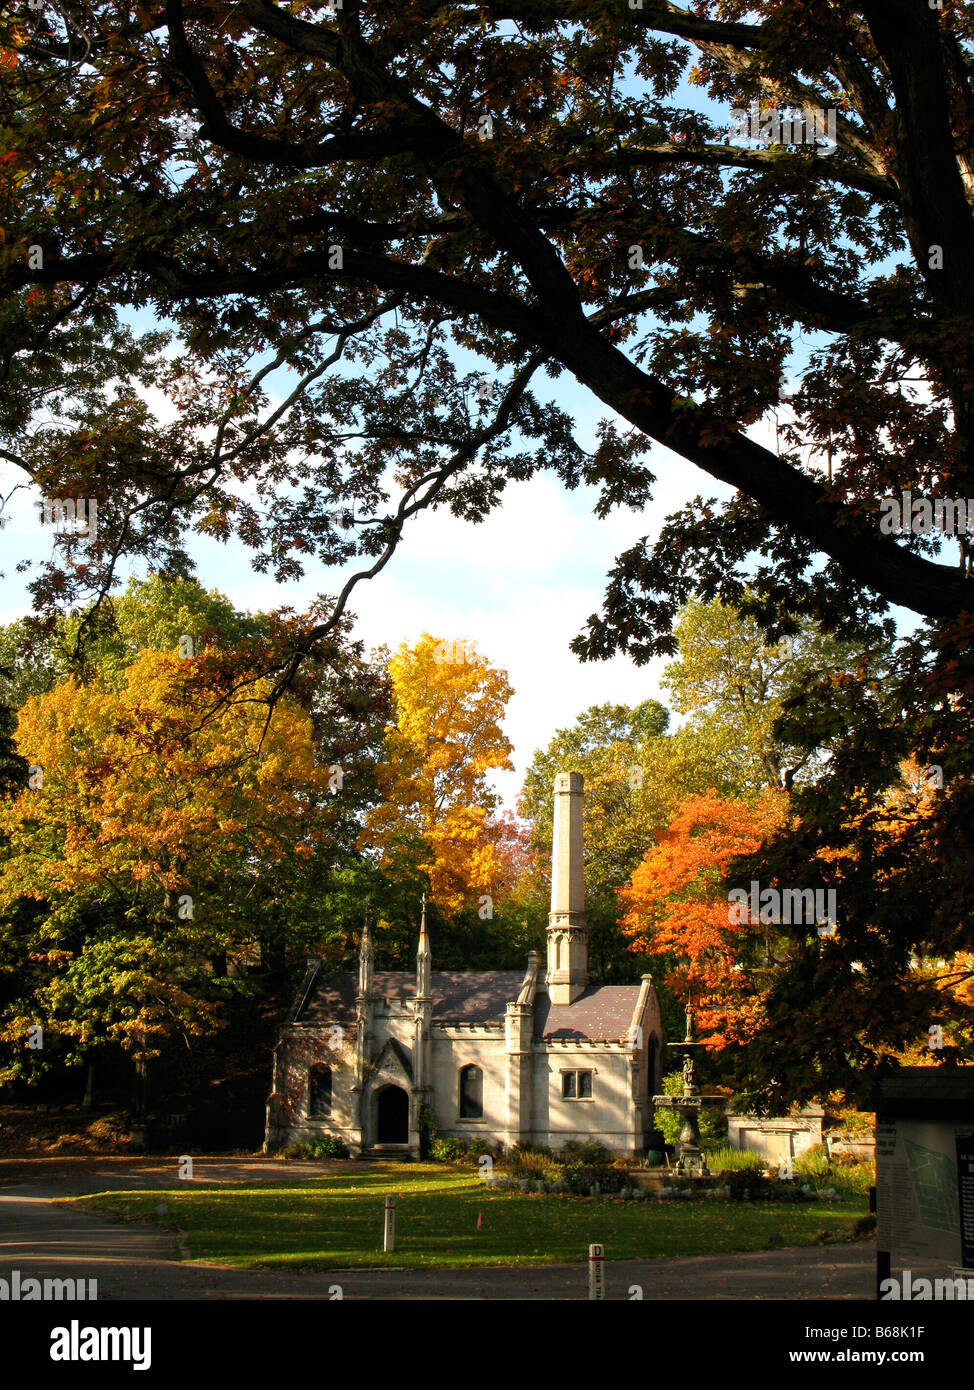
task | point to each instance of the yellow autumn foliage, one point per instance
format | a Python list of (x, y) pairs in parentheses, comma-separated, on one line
[(147, 789), (446, 739)]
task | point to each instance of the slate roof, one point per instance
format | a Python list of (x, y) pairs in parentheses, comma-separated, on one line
[(331, 999), (602, 1014), (459, 996)]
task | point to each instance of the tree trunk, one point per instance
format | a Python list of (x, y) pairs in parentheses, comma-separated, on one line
[(141, 1096), (88, 1100)]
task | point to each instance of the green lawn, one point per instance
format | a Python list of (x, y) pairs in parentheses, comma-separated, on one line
[(335, 1221)]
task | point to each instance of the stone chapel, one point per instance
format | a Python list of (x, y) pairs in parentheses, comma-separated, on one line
[(542, 1058)]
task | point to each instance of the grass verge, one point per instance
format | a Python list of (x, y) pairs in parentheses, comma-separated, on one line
[(335, 1221)]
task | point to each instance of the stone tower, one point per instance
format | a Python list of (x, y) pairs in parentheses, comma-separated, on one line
[(567, 975)]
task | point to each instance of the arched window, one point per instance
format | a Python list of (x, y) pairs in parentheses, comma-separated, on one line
[(652, 1064), (319, 1092), (471, 1093)]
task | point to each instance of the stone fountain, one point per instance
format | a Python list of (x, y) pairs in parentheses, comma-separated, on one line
[(688, 1105)]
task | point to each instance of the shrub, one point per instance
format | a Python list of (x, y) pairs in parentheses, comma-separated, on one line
[(814, 1164), (527, 1163), (477, 1148), (580, 1178), (498, 1183), (786, 1190), (849, 1175), (541, 1149), (452, 1150), (110, 1129), (576, 1178), (855, 1179), (593, 1153), (725, 1159), (748, 1184), (427, 1130), (322, 1146)]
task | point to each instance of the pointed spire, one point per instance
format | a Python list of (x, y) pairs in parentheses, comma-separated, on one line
[(424, 957)]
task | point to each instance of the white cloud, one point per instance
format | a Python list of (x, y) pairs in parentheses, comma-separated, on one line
[(521, 584)]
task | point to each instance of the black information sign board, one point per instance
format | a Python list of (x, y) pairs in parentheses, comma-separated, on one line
[(965, 1182)]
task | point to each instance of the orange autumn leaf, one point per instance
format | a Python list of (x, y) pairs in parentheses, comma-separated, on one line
[(675, 905)]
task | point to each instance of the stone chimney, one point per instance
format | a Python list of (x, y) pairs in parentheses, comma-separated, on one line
[(567, 975)]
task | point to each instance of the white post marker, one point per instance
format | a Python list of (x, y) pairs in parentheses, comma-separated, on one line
[(596, 1271), (389, 1232)]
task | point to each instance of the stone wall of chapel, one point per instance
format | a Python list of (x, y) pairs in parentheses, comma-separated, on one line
[(455, 1047), (306, 1046), (609, 1116), (303, 1048), (393, 1018)]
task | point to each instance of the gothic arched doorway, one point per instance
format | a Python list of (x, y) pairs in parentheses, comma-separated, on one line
[(392, 1116)]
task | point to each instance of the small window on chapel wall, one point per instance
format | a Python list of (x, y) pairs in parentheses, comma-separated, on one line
[(471, 1093), (576, 1085), (319, 1092)]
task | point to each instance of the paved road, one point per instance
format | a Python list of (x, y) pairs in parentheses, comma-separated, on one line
[(45, 1240)]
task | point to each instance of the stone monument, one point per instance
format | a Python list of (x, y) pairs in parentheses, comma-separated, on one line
[(688, 1105)]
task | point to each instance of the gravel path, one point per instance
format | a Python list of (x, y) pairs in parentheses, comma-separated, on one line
[(131, 1261)]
